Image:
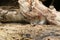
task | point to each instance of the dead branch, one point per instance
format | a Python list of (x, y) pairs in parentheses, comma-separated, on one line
[(32, 11), (38, 9)]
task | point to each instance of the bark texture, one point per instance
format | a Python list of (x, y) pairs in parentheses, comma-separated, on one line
[(36, 13), (29, 32), (32, 11)]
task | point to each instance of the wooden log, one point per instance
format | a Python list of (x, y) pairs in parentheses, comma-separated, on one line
[(29, 32), (38, 9), (32, 11)]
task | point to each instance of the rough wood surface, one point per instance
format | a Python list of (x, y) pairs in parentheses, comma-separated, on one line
[(32, 11), (29, 32)]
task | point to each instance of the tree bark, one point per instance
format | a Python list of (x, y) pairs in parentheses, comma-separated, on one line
[(36, 8), (35, 13), (32, 11), (29, 32)]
